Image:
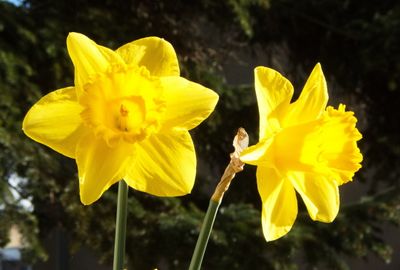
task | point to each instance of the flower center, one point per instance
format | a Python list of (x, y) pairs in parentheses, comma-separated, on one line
[(123, 104), (127, 114)]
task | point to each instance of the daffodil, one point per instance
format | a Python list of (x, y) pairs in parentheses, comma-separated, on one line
[(126, 117), (304, 147)]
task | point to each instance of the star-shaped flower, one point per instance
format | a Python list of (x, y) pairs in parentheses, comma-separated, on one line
[(127, 117)]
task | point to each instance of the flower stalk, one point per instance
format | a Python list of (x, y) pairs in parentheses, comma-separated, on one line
[(120, 227), (204, 235), (240, 142)]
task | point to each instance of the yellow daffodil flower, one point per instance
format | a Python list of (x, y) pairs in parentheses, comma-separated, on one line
[(303, 146), (127, 117)]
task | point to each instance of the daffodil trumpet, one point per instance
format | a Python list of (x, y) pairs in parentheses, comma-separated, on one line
[(240, 142)]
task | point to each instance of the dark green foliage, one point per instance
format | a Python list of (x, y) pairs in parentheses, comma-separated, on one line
[(356, 42)]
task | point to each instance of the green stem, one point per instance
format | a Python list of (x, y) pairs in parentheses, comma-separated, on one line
[(205, 232), (235, 165), (120, 227)]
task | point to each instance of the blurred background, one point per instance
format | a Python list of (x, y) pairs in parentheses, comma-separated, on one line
[(43, 225)]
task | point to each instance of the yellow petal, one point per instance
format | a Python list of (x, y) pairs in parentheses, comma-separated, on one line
[(320, 194), (279, 203), (100, 166), (259, 154), (165, 165), (312, 101), (156, 54), (89, 58), (188, 103), (274, 93), (298, 147), (55, 121)]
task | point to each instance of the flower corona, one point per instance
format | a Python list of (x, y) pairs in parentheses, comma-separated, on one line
[(125, 104)]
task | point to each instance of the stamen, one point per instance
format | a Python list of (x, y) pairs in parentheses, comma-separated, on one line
[(123, 110), (123, 119)]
